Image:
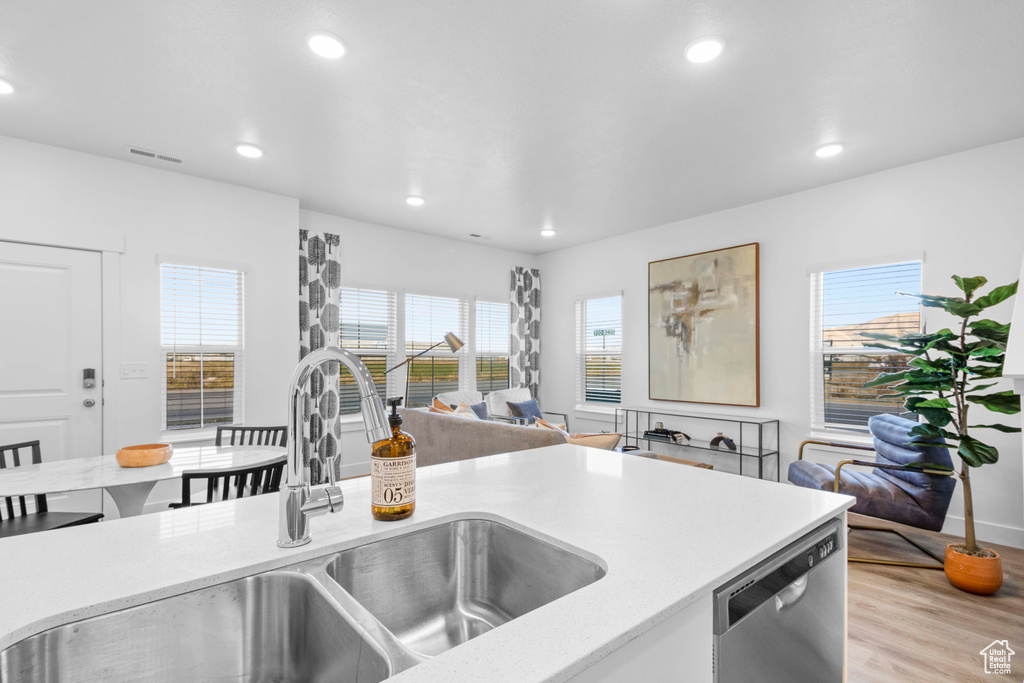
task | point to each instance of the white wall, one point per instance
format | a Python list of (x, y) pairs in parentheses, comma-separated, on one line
[(56, 196), (59, 195), (389, 258), (966, 211)]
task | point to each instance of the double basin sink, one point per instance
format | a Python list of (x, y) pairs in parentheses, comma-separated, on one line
[(359, 615)]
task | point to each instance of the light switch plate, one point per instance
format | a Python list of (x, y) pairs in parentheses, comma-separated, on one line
[(134, 370)]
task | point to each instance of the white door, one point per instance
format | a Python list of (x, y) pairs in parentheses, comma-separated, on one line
[(50, 333)]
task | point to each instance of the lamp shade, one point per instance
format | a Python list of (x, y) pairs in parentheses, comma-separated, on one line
[(454, 343)]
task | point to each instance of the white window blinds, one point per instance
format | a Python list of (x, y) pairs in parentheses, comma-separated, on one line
[(599, 350), (427, 319), (492, 321), (202, 339), (368, 327), (845, 305)]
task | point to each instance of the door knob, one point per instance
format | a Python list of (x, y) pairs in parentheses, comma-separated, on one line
[(89, 402)]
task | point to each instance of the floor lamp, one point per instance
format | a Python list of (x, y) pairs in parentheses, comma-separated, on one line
[(453, 342)]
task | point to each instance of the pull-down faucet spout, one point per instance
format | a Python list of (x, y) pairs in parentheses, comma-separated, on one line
[(298, 502)]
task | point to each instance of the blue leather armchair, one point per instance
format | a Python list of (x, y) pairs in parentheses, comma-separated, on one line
[(910, 482)]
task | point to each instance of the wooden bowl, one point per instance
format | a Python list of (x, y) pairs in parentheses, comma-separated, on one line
[(146, 455)]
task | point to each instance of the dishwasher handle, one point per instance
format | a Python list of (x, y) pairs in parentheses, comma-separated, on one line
[(791, 594)]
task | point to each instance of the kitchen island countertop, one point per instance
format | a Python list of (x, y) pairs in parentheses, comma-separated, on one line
[(668, 534)]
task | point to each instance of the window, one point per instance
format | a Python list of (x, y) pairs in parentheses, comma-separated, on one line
[(368, 328), (491, 346), (202, 340), (427, 319), (845, 304), (599, 350)]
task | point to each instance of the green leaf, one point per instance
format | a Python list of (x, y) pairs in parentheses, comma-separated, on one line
[(967, 285), (987, 373), (936, 411), (991, 330), (975, 453), (985, 352), (1000, 402), (997, 295), (936, 403), (953, 305), (983, 387), (932, 432), (1001, 428), (886, 379)]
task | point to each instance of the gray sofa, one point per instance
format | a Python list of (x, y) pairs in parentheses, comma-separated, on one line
[(447, 438)]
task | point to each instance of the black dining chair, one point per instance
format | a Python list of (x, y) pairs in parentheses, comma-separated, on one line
[(228, 484), (252, 436), (15, 517)]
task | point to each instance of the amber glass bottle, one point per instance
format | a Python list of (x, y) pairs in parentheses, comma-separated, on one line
[(393, 472)]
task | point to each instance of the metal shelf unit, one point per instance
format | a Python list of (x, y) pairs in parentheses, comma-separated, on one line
[(755, 437)]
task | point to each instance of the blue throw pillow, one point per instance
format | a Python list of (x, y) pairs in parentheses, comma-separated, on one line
[(528, 409), (480, 409)]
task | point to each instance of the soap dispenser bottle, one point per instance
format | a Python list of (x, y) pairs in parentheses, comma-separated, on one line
[(393, 472)]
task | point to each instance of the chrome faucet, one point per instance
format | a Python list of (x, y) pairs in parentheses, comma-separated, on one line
[(298, 501)]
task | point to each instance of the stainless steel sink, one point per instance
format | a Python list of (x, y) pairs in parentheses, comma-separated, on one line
[(357, 616), (436, 588), (276, 627)]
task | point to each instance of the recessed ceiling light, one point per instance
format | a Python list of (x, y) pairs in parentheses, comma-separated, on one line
[(325, 44), (547, 232), (704, 49), (6, 88), (250, 151), (829, 150), (413, 200)]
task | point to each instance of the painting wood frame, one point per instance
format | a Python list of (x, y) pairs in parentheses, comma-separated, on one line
[(745, 335)]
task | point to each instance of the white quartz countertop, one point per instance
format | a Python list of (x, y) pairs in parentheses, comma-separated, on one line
[(668, 534)]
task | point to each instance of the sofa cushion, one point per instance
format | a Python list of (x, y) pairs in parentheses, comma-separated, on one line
[(497, 401), (467, 412), (603, 441), (441, 407), (528, 409), (480, 409)]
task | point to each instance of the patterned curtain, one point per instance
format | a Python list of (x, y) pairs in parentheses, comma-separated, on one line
[(524, 330), (319, 326)]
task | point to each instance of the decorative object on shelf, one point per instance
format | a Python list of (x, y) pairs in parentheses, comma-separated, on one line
[(703, 327), (753, 437), (145, 455), (319, 327), (453, 342), (524, 330), (672, 435), (950, 369), (721, 440)]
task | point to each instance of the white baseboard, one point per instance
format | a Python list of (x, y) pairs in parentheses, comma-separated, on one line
[(986, 532)]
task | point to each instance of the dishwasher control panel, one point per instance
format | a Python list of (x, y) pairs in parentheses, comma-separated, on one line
[(824, 548)]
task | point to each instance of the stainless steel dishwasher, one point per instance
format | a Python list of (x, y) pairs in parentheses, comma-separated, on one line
[(784, 620)]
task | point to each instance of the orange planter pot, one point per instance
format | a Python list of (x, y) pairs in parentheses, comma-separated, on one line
[(980, 575)]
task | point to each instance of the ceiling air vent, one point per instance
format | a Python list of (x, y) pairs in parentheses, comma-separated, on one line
[(152, 155)]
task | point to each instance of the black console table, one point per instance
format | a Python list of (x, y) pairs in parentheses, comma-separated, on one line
[(754, 437)]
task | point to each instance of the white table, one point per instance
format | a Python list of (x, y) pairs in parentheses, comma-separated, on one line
[(128, 486)]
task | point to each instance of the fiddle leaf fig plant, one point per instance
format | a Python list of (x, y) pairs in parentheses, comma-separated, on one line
[(949, 374)]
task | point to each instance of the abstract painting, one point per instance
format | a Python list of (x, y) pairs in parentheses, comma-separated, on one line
[(703, 328)]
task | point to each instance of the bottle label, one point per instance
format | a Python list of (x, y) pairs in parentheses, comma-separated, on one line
[(393, 481)]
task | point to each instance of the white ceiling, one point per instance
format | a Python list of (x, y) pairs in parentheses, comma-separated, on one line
[(509, 114)]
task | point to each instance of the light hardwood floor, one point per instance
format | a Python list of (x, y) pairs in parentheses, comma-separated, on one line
[(913, 625)]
